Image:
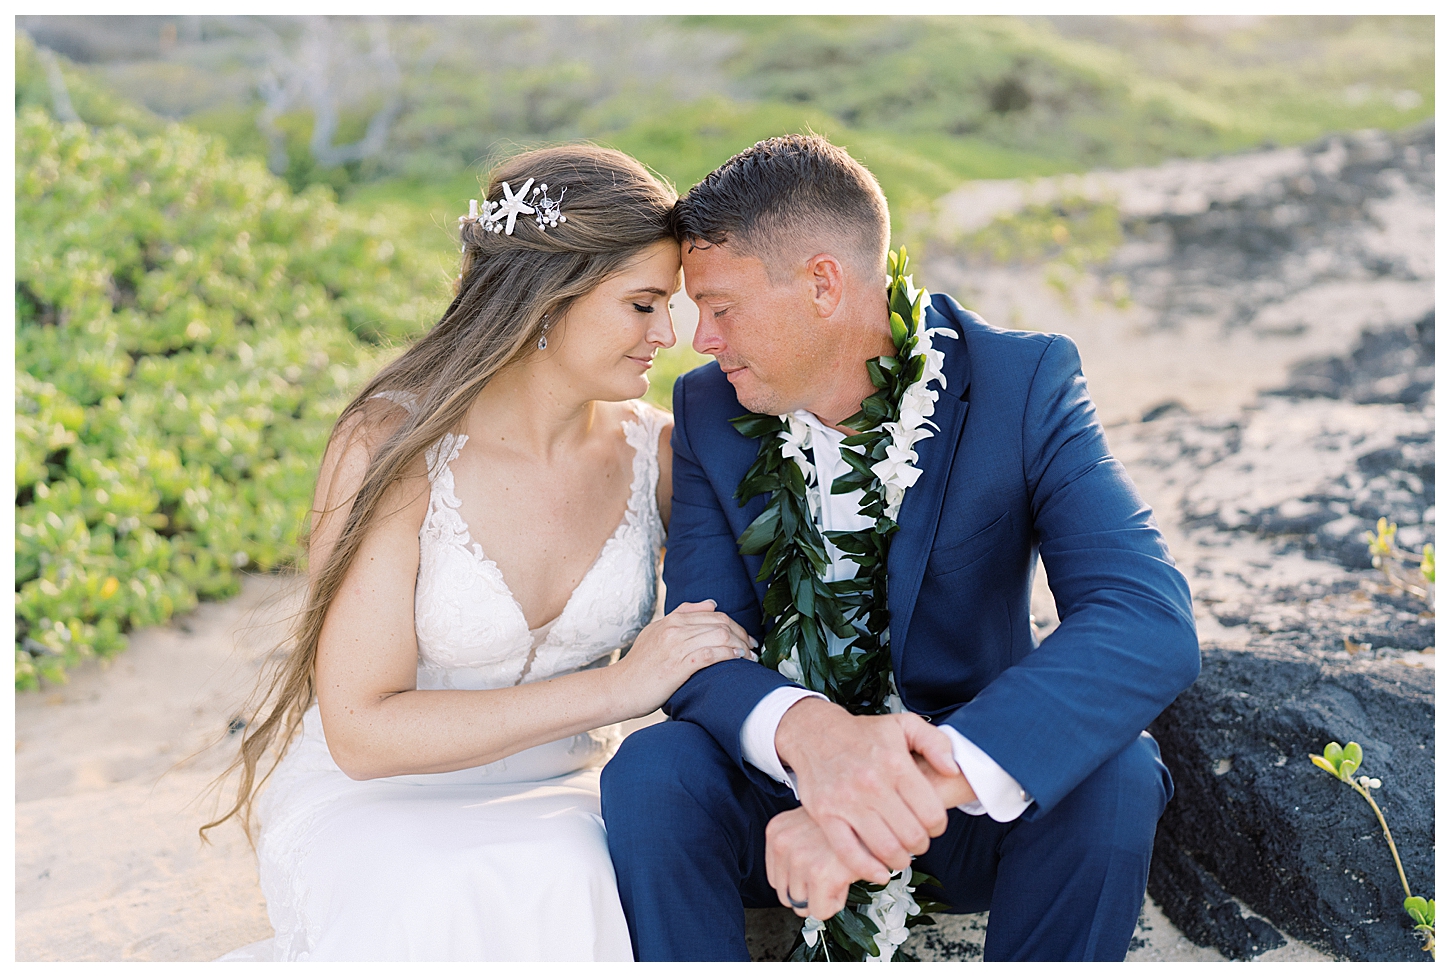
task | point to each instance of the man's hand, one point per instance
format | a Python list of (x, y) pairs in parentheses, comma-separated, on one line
[(859, 782), (801, 865)]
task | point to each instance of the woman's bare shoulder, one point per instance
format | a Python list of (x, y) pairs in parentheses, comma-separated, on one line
[(354, 443)]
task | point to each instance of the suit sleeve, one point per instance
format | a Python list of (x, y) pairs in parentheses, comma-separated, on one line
[(702, 562), (1127, 644)]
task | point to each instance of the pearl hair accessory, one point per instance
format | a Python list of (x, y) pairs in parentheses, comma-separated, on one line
[(499, 216)]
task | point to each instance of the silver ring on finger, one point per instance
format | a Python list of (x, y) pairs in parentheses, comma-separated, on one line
[(795, 903)]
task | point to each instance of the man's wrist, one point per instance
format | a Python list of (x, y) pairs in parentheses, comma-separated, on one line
[(757, 733), (799, 721)]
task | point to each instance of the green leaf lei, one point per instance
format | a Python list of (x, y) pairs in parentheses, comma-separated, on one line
[(802, 607)]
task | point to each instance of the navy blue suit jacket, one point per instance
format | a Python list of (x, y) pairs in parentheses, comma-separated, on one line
[(1019, 467)]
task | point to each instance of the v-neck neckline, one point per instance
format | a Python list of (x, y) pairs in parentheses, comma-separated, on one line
[(472, 546)]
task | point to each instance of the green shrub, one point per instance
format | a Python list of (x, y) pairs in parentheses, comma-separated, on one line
[(187, 330)]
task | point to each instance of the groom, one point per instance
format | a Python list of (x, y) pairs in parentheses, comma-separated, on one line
[(1019, 775)]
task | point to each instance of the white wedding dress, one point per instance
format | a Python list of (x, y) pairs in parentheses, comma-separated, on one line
[(506, 861)]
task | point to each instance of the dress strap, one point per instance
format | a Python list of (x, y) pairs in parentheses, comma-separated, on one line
[(442, 452), (402, 398), (653, 422), (643, 434)]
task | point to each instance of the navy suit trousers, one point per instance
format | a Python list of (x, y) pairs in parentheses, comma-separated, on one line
[(687, 835)]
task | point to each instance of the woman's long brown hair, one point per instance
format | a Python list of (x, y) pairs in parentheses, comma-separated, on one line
[(509, 283)]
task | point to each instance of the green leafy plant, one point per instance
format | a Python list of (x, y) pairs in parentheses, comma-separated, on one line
[(1342, 762), (187, 329), (1067, 236), (1414, 573), (1074, 230)]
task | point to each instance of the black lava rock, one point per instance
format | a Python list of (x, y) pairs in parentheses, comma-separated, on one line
[(1201, 908), (1252, 817)]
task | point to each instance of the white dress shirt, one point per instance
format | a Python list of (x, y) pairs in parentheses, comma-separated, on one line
[(999, 795)]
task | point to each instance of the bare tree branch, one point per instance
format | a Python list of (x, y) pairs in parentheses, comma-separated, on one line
[(59, 94), (376, 137), (277, 87)]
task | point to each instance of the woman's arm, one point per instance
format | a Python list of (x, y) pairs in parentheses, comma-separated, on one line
[(379, 724)]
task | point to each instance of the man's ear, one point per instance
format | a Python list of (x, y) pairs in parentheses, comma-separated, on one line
[(827, 281)]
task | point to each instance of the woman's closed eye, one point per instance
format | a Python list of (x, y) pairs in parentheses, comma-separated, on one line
[(643, 308)]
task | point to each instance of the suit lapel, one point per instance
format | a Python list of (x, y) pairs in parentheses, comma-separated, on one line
[(731, 456), (921, 508)]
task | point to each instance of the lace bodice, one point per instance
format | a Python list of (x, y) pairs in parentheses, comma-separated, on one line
[(471, 632)]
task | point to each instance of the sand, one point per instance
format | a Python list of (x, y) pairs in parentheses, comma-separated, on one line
[(110, 770)]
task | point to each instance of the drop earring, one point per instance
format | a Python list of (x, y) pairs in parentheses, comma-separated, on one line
[(544, 335)]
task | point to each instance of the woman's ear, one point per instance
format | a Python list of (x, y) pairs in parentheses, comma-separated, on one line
[(828, 283)]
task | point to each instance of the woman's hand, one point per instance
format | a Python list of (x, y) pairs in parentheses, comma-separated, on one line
[(670, 650)]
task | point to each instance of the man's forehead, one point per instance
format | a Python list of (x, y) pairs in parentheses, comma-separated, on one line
[(713, 270)]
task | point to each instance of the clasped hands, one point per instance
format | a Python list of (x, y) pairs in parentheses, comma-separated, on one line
[(874, 791)]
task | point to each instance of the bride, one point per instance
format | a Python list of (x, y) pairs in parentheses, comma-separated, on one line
[(487, 523)]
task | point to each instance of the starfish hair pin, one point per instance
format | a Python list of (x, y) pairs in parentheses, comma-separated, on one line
[(510, 207), (498, 217)]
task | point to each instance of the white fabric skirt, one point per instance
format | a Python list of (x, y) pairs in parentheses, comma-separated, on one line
[(502, 862)]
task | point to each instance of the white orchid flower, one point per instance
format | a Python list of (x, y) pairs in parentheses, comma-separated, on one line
[(795, 439), (811, 930), (911, 290), (896, 469), (893, 695), (935, 360), (903, 434), (913, 426), (889, 910), (791, 667), (893, 496), (917, 404)]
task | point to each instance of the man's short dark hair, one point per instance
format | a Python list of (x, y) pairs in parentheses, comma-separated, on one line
[(783, 189)]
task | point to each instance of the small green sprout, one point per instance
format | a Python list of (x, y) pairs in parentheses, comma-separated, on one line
[(1422, 911), (1382, 540), (1395, 563), (1343, 761)]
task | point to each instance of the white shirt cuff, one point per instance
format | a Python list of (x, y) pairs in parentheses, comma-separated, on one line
[(999, 795), (757, 733)]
